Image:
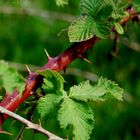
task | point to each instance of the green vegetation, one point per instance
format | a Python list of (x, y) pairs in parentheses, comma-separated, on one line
[(80, 104)]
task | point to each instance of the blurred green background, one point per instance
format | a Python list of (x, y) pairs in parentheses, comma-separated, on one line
[(27, 27)]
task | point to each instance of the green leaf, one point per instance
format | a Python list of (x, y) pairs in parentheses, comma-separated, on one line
[(94, 21), (10, 79), (119, 28), (79, 115), (119, 6), (47, 104), (85, 27), (61, 2), (104, 12), (104, 29), (53, 81), (104, 89), (96, 8), (82, 29), (90, 7)]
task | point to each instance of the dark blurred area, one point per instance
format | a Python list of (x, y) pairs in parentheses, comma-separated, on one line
[(27, 27)]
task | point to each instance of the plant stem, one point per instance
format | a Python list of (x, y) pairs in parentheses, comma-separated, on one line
[(29, 124)]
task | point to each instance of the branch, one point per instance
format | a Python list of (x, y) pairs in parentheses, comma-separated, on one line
[(58, 63), (11, 102), (29, 124)]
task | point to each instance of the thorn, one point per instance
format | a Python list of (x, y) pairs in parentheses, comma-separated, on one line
[(47, 54), (86, 60), (28, 68)]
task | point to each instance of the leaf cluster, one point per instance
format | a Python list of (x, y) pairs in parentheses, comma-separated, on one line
[(97, 19), (75, 109)]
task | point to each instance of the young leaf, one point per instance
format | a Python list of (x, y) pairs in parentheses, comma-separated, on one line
[(104, 88), (119, 28), (61, 2), (53, 81), (100, 9), (79, 115), (82, 29), (94, 21), (119, 6), (85, 27), (47, 104), (90, 7), (10, 79)]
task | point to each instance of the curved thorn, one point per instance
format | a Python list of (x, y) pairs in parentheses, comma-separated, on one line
[(47, 54), (28, 68), (86, 60)]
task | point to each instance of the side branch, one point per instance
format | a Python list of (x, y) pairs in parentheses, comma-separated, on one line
[(29, 124)]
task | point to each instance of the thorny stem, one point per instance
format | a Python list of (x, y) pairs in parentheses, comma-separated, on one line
[(58, 63), (11, 102)]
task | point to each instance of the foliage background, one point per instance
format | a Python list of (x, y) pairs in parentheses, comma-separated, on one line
[(23, 39)]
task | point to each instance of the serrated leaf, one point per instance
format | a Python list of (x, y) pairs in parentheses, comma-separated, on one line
[(103, 90), (119, 28), (119, 6), (47, 104), (10, 79), (85, 27), (61, 2), (96, 8), (90, 7), (82, 29), (94, 21), (79, 115), (53, 81)]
